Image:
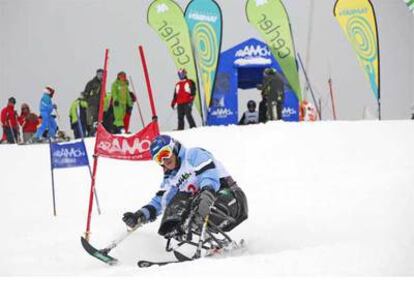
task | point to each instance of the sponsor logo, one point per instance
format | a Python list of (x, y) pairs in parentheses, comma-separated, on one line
[(288, 112), (222, 112), (183, 178), (254, 51), (121, 146), (353, 11), (273, 34), (174, 38), (261, 2), (69, 153), (201, 17), (162, 8)]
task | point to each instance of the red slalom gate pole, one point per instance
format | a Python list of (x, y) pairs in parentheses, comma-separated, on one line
[(147, 80), (95, 157)]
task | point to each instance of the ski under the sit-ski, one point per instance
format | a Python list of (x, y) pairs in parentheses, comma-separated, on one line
[(182, 258), (99, 254)]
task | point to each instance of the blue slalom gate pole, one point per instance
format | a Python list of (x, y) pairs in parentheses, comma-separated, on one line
[(89, 165), (53, 177)]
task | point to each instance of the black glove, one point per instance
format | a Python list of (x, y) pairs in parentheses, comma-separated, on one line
[(129, 110), (132, 219), (116, 103), (55, 106), (205, 199)]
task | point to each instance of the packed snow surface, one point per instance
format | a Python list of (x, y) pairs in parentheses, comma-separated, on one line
[(325, 198)]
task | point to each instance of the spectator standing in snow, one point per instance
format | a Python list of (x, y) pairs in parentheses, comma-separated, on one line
[(274, 91), (189, 173), (251, 116), (77, 116), (121, 101), (184, 93), (93, 94), (28, 121), (9, 122), (48, 120)]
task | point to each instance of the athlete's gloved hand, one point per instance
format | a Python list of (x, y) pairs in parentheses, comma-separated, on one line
[(132, 219), (116, 103), (205, 198)]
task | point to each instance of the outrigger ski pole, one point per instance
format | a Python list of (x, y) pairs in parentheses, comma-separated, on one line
[(103, 254)]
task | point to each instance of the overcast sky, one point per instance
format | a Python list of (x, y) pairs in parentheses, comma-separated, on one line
[(61, 43)]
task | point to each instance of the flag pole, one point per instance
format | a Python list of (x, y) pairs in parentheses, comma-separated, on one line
[(89, 165), (53, 176), (95, 157), (147, 80)]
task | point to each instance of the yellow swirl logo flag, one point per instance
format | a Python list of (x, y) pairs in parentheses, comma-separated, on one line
[(204, 21), (357, 19)]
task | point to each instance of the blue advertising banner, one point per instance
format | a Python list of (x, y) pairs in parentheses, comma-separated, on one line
[(68, 155), (241, 67)]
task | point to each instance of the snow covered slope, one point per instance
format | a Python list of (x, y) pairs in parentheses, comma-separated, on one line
[(325, 198)]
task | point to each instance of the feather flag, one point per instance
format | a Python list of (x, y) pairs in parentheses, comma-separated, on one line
[(204, 21), (358, 21), (167, 19), (270, 18)]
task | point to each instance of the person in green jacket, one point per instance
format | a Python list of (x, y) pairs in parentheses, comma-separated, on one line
[(77, 116), (121, 100)]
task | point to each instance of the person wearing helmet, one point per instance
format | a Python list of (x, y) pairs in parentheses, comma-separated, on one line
[(251, 116), (92, 93), (48, 120), (190, 173), (274, 91), (121, 101), (184, 93)]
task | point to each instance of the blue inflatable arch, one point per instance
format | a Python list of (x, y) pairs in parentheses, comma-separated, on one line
[(241, 67)]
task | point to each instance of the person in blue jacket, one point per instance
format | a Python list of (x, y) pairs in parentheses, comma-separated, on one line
[(48, 120), (189, 173)]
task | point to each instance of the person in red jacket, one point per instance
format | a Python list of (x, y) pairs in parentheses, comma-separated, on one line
[(9, 121), (28, 121), (184, 93)]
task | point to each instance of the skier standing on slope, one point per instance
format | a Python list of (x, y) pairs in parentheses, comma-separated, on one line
[(46, 108), (188, 174)]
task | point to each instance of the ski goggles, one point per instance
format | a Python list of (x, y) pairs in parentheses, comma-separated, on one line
[(163, 154)]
